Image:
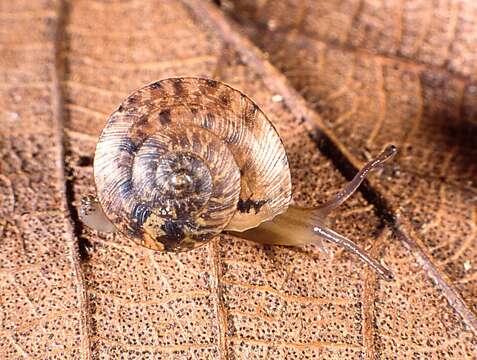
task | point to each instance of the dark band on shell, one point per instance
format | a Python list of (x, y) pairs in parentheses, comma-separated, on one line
[(185, 158)]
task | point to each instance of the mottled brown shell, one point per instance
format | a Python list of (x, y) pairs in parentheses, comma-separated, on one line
[(182, 159)]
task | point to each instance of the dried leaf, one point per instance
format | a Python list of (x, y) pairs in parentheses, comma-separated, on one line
[(43, 309), (232, 298)]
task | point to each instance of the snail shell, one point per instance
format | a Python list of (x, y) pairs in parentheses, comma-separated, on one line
[(183, 159)]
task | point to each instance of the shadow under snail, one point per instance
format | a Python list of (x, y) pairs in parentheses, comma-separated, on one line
[(185, 159)]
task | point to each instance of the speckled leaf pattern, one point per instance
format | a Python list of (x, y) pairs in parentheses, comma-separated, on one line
[(369, 73)]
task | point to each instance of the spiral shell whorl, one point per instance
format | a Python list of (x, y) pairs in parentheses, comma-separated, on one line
[(177, 164)]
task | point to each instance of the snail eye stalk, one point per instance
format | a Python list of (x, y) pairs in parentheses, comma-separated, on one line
[(302, 226)]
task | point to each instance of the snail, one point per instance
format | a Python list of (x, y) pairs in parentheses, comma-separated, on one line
[(185, 159)]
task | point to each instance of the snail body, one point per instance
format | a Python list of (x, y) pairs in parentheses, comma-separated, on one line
[(185, 159)]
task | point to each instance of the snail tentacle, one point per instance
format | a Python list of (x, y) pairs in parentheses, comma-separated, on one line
[(332, 236), (350, 188)]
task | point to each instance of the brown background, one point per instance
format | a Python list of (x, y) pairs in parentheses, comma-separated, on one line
[(354, 76)]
